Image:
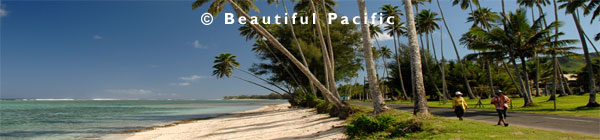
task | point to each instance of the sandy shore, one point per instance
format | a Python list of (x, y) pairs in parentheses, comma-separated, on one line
[(269, 122)]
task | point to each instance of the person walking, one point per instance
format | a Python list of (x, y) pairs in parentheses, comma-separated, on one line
[(501, 107), (460, 105)]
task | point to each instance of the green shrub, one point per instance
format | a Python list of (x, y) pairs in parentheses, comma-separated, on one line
[(371, 127), (324, 107)]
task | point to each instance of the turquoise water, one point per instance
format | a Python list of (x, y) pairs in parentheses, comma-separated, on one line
[(89, 119)]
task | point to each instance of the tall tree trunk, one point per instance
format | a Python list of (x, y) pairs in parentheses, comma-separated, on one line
[(420, 101), (521, 81), (343, 109), (330, 50), (427, 67), (441, 71), (444, 85), (565, 81), (527, 98), (378, 101), (312, 87), (328, 62), (512, 78), (537, 74), (458, 59), (588, 61), (490, 77), (397, 37), (285, 67)]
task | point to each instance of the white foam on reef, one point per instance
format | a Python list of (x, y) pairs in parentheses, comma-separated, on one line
[(54, 99)]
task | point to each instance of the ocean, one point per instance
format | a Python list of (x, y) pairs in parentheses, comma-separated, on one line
[(91, 119)]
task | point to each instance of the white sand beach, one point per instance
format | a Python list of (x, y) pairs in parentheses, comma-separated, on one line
[(269, 122)]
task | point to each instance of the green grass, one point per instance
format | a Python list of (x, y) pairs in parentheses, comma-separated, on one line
[(445, 128), (571, 105)]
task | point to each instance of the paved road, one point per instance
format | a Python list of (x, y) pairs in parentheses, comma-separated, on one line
[(582, 125)]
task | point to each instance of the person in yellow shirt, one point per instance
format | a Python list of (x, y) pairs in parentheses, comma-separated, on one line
[(460, 105)]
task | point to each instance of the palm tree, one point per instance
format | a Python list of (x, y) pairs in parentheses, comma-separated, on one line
[(520, 40), (385, 53), (217, 7), (375, 32), (483, 17), (395, 30), (225, 63), (419, 99), (378, 101), (538, 4), (464, 4), (571, 6), (426, 23), (312, 87), (458, 59)]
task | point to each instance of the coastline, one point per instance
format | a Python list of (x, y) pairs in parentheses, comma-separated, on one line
[(273, 118)]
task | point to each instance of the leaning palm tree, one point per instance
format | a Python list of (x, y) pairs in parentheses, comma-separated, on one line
[(217, 7), (570, 7), (389, 11), (225, 63), (458, 59), (419, 99), (287, 16), (378, 100)]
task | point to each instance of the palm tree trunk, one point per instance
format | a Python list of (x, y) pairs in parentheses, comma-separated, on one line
[(438, 63), (255, 84), (420, 102), (490, 77), (427, 67), (285, 67), (528, 99), (512, 78), (592, 101), (336, 101), (312, 87), (444, 86), (396, 37), (328, 63), (378, 101), (565, 81), (462, 67), (537, 75)]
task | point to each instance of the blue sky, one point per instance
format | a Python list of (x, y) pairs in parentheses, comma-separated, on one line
[(149, 49)]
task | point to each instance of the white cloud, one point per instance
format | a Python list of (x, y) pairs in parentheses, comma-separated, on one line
[(138, 92), (96, 37), (383, 37), (197, 44), (192, 78), (181, 84), (3, 12)]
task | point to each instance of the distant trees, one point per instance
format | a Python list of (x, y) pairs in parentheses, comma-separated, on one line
[(268, 96)]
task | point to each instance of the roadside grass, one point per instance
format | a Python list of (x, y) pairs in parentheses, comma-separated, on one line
[(432, 127), (572, 105)]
